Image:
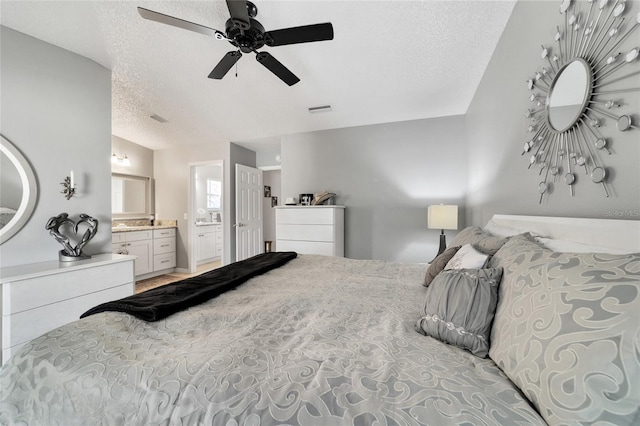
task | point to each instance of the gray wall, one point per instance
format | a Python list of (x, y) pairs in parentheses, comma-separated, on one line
[(171, 168), (499, 181), (171, 174), (386, 175), (141, 158), (56, 109)]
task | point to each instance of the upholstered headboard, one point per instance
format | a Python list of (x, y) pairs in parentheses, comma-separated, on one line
[(612, 233)]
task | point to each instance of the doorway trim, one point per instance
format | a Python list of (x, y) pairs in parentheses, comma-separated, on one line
[(191, 211)]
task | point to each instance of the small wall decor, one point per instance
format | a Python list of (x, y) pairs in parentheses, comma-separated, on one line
[(267, 191), (274, 201), (576, 90), (69, 252), (69, 186)]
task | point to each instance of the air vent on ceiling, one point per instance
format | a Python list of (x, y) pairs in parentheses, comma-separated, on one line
[(323, 108), (159, 119)]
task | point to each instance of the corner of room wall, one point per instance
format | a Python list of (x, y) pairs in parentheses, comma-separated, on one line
[(386, 175), (499, 180), (61, 121), (171, 176)]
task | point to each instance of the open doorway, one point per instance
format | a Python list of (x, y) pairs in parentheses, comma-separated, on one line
[(206, 216)]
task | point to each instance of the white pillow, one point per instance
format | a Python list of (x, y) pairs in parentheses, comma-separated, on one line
[(467, 258)]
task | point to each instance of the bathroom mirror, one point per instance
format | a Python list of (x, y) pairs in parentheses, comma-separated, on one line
[(130, 196), (18, 190), (568, 95)]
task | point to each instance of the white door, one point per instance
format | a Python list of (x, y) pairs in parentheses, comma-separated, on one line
[(249, 192)]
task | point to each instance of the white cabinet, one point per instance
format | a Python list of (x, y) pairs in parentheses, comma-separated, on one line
[(209, 242), (155, 250), (136, 243), (310, 229), (164, 249), (218, 247), (39, 297)]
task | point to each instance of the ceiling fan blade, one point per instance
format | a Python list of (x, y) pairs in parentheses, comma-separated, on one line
[(273, 65), (239, 13), (303, 34), (225, 64), (180, 23)]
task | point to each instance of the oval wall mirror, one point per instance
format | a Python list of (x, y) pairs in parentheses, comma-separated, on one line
[(577, 92), (18, 190), (568, 95)]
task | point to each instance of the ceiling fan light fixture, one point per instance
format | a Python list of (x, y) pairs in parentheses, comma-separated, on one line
[(322, 108), (248, 35)]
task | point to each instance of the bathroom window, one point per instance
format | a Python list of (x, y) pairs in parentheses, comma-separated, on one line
[(214, 190)]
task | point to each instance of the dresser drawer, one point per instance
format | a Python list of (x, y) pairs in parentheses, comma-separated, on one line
[(164, 261), (23, 295), (307, 247), (21, 327), (164, 233), (137, 235), (303, 216), (164, 245), (305, 232), (118, 237)]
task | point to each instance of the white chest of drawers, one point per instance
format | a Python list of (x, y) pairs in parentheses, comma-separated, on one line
[(39, 297), (310, 229)]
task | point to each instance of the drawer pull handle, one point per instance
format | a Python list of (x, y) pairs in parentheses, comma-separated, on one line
[(164, 261), (164, 245)]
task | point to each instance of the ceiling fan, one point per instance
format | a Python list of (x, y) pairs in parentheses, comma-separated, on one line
[(248, 35)]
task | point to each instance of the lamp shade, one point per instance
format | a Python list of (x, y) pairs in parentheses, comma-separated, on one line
[(442, 217)]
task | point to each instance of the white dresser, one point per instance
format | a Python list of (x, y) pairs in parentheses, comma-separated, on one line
[(310, 229), (39, 297)]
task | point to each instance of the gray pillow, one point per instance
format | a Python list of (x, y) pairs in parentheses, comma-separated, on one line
[(459, 308), (567, 333), (484, 241), (438, 264)]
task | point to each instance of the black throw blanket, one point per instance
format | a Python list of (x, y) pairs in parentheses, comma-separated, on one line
[(160, 302)]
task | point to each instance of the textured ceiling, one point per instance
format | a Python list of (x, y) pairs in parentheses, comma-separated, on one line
[(389, 61)]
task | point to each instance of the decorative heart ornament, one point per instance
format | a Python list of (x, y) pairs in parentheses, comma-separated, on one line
[(71, 253)]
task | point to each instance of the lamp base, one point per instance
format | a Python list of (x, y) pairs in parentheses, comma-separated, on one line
[(443, 245)]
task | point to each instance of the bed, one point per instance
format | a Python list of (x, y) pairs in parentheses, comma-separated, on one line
[(318, 341)]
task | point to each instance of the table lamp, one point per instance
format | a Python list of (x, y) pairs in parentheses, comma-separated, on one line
[(442, 217)]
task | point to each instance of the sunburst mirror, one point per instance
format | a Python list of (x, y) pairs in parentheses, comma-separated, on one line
[(576, 89)]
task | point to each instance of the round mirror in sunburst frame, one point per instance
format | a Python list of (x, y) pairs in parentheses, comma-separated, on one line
[(578, 87)]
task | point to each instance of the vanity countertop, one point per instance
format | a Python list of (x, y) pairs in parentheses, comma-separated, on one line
[(139, 228), (208, 223)]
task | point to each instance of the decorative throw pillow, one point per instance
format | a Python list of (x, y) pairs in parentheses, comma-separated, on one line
[(567, 333), (459, 308), (483, 241), (467, 257), (438, 264)]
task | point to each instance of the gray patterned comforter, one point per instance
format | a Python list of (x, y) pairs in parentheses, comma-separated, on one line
[(319, 341)]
